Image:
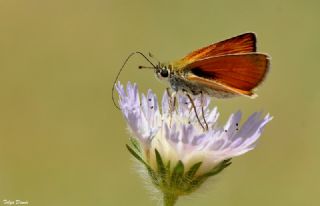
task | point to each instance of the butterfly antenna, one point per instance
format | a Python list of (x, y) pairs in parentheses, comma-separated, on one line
[(120, 70), (145, 67)]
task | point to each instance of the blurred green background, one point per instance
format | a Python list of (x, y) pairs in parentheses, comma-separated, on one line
[(63, 143)]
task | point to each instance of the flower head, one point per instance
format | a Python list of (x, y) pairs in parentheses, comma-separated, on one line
[(178, 154)]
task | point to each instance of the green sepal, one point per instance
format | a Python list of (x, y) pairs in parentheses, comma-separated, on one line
[(135, 144), (140, 159), (168, 166), (177, 175), (192, 171), (197, 182), (178, 169), (161, 167), (217, 169), (136, 155)]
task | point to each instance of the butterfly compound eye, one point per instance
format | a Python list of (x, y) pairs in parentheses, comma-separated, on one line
[(164, 73)]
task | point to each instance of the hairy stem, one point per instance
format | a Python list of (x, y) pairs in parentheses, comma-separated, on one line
[(169, 199)]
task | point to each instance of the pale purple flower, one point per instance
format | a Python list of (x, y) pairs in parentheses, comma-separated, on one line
[(177, 135)]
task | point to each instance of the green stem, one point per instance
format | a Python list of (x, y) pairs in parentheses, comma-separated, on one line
[(169, 199)]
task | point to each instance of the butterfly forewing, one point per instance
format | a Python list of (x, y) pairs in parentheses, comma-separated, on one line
[(241, 72), (244, 43)]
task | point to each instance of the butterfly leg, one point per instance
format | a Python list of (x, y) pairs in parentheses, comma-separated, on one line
[(195, 110), (202, 111)]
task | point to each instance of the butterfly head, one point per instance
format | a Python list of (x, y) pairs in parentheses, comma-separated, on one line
[(163, 71)]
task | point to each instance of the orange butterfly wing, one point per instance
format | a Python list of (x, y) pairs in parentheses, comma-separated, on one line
[(238, 73), (244, 43)]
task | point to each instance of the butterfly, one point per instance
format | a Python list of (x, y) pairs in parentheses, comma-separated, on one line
[(225, 69)]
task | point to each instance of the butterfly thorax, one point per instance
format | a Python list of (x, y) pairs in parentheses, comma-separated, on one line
[(175, 76)]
